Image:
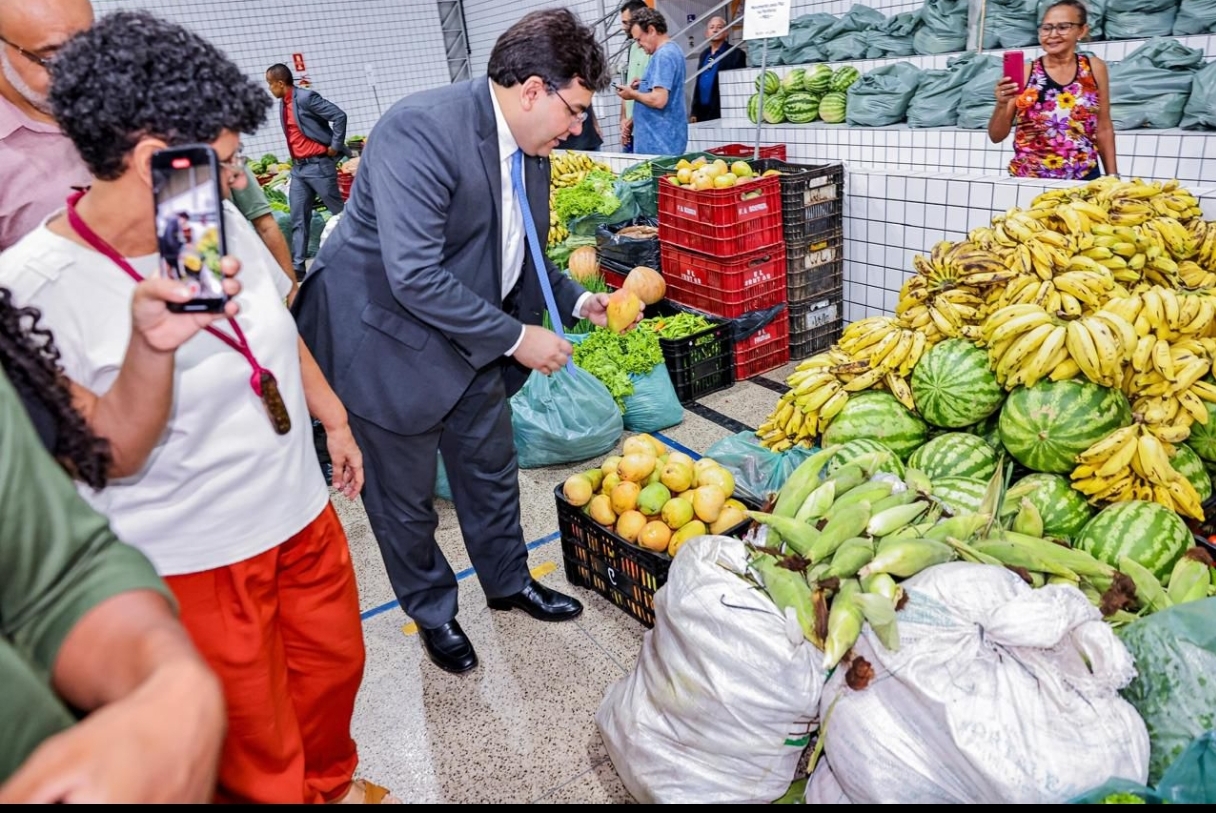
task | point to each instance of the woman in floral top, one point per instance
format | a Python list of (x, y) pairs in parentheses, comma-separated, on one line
[(1062, 116)]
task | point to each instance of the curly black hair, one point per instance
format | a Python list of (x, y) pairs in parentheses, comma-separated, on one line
[(552, 44), (134, 75), (29, 358)]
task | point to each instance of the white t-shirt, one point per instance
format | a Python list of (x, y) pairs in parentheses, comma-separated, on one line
[(220, 486)]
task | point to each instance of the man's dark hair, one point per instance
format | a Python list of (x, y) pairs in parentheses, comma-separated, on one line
[(552, 44), (649, 18), (632, 6), (280, 73), (1075, 4), (134, 75)]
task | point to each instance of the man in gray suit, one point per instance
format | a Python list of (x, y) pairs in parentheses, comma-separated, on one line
[(424, 309), (316, 136)]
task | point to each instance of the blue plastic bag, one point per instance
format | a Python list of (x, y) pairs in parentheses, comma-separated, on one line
[(566, 417), (758, 472), (654, 405), (1190, 780), (1095, 796), (443, 489)]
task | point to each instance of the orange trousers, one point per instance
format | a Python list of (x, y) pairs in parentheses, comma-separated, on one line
[(282, 631)]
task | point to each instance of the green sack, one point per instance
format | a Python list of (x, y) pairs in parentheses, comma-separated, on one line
[(881, 97), (1150, 88), (283, 219), (563, 418), (1175, 687), (1200, 110), (1191, 779), (1195, 17), (443, 489), (893, 37), (1139, 19), (654, 404), (937, 98), (802, 44), (977, 102), (943, 27), (758, 471), (1011, 24)]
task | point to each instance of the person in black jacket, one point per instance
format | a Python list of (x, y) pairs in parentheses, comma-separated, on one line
[(706, 101)]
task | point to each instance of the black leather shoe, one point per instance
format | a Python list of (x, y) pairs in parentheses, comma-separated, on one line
[(448, 647), (539, 602)]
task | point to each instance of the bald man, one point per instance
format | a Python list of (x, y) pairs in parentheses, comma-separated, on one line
[(38, 164), (706, 102)]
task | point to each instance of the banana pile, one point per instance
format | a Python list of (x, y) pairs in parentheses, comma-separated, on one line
[(1133, 463), (950, 289), (557, 229), (564, 171)]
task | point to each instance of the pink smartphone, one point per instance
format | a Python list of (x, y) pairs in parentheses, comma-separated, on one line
[(1015, 68)]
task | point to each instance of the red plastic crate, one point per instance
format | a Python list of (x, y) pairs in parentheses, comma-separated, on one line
[(722, 222), (764, 350), (724, 286), (345, 182), (744, 151)]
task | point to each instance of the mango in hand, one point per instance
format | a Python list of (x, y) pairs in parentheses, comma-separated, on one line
[(623, 308)]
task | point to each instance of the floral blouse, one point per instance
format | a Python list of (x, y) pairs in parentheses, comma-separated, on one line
[(1056, 125)]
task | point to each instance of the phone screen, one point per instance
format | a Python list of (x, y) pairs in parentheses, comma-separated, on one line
[(190, 223), (1015, 68)]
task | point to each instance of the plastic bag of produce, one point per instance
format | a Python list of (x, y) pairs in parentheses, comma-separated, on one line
[(1191, 779), (1096, 16), (803, 43), (1011, 23), (893, 36), (1200, 110), (999, 694), (443, 489), (563, 418), (1150, 88), (847, 47), (1195, 17), (625, 246), (720, 704), (775, 55), (757, 471), (940, 92), (943, 27), (976, 103), (315, 231), (1118, 791), (1139, 19), (1175, 692), (654, 404), (857, 18), (881, 96)]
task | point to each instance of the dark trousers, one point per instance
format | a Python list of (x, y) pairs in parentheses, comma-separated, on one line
[(479, 455), (310, 180)]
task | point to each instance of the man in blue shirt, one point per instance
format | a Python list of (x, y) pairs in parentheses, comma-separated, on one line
[(660, 123), (717, 56)]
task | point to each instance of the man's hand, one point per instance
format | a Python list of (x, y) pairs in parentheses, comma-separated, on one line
[(166, 331), (543, 350), (626, 130), (595, 309), (331, 152), (626, 94), (347, 460)]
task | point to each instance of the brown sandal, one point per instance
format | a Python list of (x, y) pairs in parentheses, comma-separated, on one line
[(373, 794)]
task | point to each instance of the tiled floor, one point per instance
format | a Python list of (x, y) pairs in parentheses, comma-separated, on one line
[(519, 728)]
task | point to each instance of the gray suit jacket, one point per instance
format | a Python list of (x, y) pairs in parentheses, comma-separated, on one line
[(319, 119), (403, 305)]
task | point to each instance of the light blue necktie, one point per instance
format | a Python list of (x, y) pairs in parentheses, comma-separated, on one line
[(538, 260)]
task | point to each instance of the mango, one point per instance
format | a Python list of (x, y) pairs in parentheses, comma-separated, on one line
[(677, 513), (655, 535), (609, 482), (653, 498), (629, 525), (623, 309), (707, 502), (578, 490), (610, 463), (636, 467), (677, 476), (704, 463), (655, 476), (596, 477), (660, 448), (680, 457), (728, 517), (718, 476), (692, 530), (600, 510), (733, 503), (686, 495), (625, 497), (638, 444)]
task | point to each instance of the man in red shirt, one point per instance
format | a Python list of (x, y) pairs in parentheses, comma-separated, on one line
[(316, 136)]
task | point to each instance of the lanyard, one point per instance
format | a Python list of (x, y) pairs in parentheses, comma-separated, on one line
[(262, 381)]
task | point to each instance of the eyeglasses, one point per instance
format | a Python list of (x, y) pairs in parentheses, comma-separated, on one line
[(235, 164), (42, 61), (1062, 28), (574, 114)]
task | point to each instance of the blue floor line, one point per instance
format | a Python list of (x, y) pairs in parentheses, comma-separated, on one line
[(461, 576), (679, 447)]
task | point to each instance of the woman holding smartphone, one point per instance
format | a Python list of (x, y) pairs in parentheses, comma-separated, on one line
[(227, 500), (1060, 110)]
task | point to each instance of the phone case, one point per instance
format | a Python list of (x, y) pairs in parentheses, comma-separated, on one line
[(1015, 67)]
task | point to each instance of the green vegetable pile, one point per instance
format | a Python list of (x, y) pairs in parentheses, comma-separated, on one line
[(1123, 799), (612, 358), (638, 172), (592, 195), (678, 326)]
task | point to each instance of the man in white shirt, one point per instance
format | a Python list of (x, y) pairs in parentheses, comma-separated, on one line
[(424, 308)]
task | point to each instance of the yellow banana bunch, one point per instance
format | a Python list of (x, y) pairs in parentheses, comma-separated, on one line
[(1132, 463), (571, 167), (816, 395)]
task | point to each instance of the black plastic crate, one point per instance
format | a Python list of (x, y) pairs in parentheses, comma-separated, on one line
[(701, 363), (804, 285), (815, 326), (803, 185), (816, 232), (816, 211), (625, 574)]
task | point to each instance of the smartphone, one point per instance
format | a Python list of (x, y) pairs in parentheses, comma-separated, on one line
[(190, 223), (1015, 68)]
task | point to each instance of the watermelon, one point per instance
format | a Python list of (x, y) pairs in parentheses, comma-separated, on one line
[(818, 79), (774, 109), (843, 78), (1203, 437), (953, 386), (962, 495), (792, 83), (801, 108), (854, 449), (879, 416), (955, 454), (1145, 532), (832, 108), (1046, 426), (989, 429), (771, 81), (1064, 511), (1187, 463), (753, 106)]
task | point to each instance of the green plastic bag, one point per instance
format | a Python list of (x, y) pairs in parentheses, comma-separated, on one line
[(1200, 110), (893, 37), (1113, 786), (943, 27), (937, 98), (1139, 19), (758, 472), (563, 418), (443, 489), (881, 96), (1190, 780), (1011, 24), (1175, 690), (1195, 17), (654, 404), (802, 44), (1150, 88), (283, 219), (976, 103)]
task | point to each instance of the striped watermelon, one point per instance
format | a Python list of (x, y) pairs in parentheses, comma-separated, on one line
[(1046, 426), (1064, 511), (753, 107), (832, 108), (1145, 532), (989, 429), (801, 108), (953, 386), (955, 454), (854, 449), (818, 79), (878, 415), (774, 109), (1190, 466), (771, 82), (1203, 437), (843, 78), (792, 83), (962, 495)]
